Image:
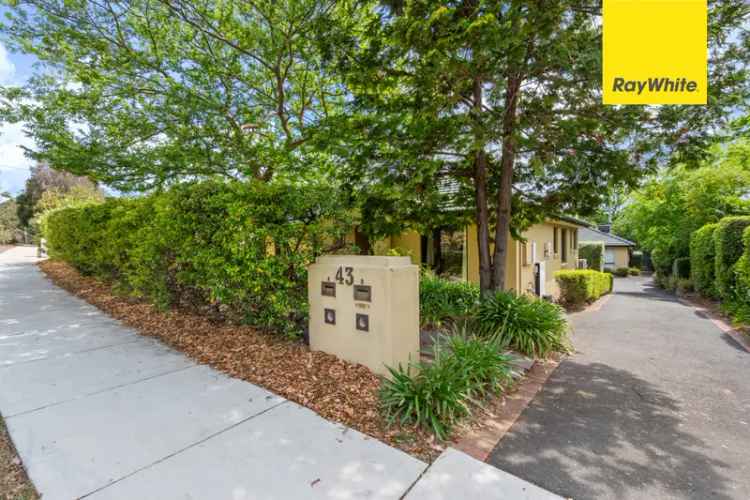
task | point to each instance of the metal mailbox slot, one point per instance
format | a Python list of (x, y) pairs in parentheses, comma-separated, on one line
[(328, 289), (363, 293), (363, 322)]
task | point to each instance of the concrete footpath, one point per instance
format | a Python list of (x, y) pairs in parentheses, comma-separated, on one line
[(655, 403), (97, 411)]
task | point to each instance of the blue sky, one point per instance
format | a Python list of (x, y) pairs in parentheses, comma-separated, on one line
[(15, 69)]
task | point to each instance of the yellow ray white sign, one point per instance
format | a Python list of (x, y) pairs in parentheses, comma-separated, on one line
[(655, 51)]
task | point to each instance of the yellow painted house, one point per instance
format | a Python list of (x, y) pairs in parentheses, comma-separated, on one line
[(547, 247)]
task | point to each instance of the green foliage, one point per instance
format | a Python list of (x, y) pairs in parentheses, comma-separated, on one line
[(684, 286), (681, 268), (435, 396), (530, 326), (9, 222), (738, 306), (634, 271), (636, 259), (622, 272), (169, 91), (593, 252), (236, 250), (56, 199), (580, 286), (663, 214), (729, 248), (703, 260), (441, 299)]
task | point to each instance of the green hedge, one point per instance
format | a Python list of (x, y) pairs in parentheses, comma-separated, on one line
[(580, 286), (236, 250), (742, 276), (593, 252), (729, 249), (681, 268), (441, 299), (702, 260)]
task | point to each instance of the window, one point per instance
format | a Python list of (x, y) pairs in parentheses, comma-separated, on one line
[(609, 258), (554, 239), (564, 240)]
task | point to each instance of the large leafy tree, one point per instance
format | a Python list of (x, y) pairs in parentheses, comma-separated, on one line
[(662, 215), (140, 93), (503, 98)]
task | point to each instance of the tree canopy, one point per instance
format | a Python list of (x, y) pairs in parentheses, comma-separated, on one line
[(662, 215), (497, 103)]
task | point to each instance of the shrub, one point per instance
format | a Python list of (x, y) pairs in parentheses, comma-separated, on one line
[(441, 299), (239, 250), (634, 271), (593, 252), (581, 286), (681, 268), (739, 304), (436, 395), (530, 326), (729, 248), (683, 286), (622, 272), (703, 260)]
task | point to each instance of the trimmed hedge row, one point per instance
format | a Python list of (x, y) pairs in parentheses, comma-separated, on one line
[(235, 250), (702, 260), (729, 249), (681, 268), (583, 285)]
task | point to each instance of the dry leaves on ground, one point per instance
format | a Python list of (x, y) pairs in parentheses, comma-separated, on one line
[(337, 390), (14, 483)]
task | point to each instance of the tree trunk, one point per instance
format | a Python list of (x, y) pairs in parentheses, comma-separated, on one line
[(483, 215), (505, 191)]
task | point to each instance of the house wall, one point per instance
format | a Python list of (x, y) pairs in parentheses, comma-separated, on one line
[(520, 264), (622, 257), (519, 261)]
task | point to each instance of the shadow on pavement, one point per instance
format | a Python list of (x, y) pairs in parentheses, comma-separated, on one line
[(600, 432)]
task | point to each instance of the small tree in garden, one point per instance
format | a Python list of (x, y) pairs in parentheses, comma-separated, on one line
[(593, 252)]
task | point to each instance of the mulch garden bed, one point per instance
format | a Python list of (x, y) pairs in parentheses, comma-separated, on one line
[(337, 390), (14, 483)]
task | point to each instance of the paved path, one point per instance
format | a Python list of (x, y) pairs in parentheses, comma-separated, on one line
[(97, 411), (654, 404)]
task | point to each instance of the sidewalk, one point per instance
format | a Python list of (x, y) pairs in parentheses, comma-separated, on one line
[(98, 411)]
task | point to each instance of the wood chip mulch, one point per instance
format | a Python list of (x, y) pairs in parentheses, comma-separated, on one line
[(337, 390), (14, 483)]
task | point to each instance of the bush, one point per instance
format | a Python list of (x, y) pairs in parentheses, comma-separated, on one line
[(681, 268), (739, 304), (237, 250), (703, 260), (634, 271), (729, 248), (530, 326), (622, 272), (593, 252), (683, 286), (436, 395), (581, 286), (441, 299)]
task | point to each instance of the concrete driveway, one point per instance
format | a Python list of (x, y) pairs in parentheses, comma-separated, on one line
[(97, 411), (654, 404)]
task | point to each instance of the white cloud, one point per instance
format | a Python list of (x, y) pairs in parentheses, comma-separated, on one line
[(7, 68), (14, 166)]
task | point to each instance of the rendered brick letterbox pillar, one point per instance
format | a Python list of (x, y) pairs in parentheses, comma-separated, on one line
[(365, 309)]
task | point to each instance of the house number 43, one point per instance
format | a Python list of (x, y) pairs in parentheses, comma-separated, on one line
[(345, 275)]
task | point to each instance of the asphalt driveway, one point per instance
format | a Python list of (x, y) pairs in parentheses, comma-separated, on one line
[(655, 403)]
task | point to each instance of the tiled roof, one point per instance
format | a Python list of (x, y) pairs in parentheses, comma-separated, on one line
[(609, 239)]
